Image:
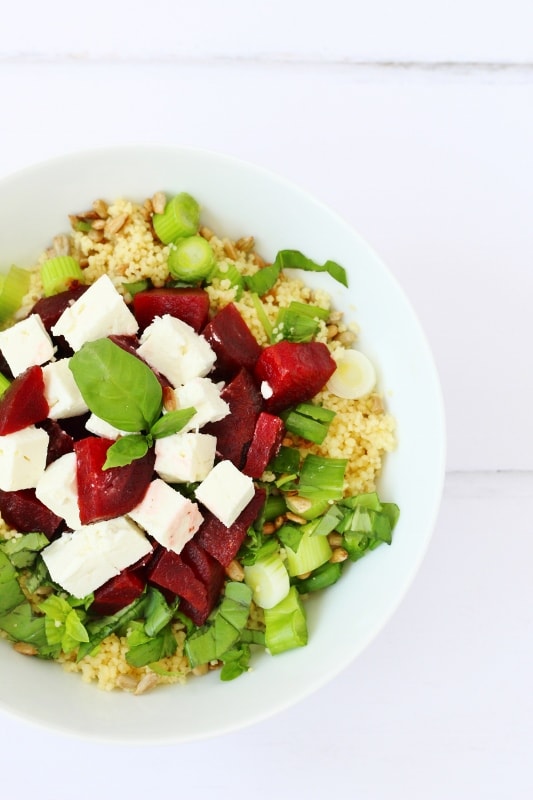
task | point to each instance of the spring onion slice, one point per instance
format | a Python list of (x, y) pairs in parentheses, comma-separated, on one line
[(13, 288), (308, 421), (322, 475), (191, 259), (59, 273), (262, 315), (4, 384), (181, 217), (286, 624), (354, 377), (268, 579), (312, 552)]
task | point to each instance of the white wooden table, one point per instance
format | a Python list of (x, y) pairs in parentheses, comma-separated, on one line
[(413, 120)]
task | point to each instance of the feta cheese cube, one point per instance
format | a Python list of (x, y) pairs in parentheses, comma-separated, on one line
[(99, 312), (61, 391), (102, 428), (174, 349), (85, 559), (26, 344), (167, 515), (22, 458), (57, 488), (185, 457), (225, 492), (203, 395)]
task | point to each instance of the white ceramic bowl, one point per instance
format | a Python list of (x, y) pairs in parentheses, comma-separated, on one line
[(240, 199)]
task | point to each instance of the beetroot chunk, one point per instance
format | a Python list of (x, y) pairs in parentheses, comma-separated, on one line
[(224, 543), (234, 344), (295, 372), (24, 512), (23, 403), (50, 308), (117, 593), (265, 444), (212, 574), (189, 304), (169, 572), (104, 494), (59, 441), (235, 431)]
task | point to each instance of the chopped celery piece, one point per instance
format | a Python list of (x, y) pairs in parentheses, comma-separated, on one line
[(191, 259), (286, 624), (321, 578), (4, 384), (59, 273), (312, 552), (308, 421), (14, 286), (268, 579), (181, 217)]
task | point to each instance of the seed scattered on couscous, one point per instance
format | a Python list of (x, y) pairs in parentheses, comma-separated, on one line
[(117, 239)]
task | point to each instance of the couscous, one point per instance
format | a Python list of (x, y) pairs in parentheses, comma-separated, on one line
[(119, 240)]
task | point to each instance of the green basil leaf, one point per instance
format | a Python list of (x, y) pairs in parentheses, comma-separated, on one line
[(172, 422), (125, 450), (117, 386), (294, 259)]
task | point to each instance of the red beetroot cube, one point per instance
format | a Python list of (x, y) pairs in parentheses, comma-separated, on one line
[(104, 494), (189, 304), (295, 372), (23, 403), (224, 543), (24, 512), (117, 593), (50, 308), (235, 431), (59, 441), (210, 572), (170, 573), (234, 344), (265, 444)]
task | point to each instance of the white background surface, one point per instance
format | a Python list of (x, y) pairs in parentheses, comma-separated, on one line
[(414, 121)]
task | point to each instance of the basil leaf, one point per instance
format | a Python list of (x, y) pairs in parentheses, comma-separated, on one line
[(118, 387), (125, 450), (294, 259), (172, 422)]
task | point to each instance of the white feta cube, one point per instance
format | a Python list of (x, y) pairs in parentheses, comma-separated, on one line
[(22, 458), (85, 559), (26, 344), (175, 350), (102, 428), (99, 312), (61, 391), (225, 492), (167, 515), (203, 395), (57, 488), (185, 457)]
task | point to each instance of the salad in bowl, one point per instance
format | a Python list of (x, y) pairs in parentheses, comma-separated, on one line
[(202, 444)]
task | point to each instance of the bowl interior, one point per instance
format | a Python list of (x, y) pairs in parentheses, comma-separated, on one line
[(239, 199)]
